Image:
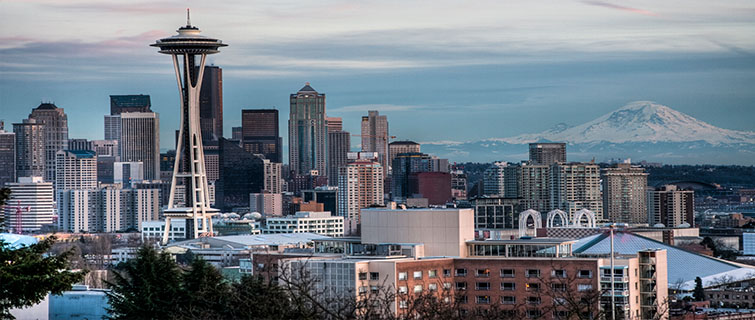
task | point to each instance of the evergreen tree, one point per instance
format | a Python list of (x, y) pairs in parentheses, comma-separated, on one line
[(147, 287), (27, 275), (206, 292), (252, 298), (699, 293)]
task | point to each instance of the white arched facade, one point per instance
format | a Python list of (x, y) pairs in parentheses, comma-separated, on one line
[(552, 217), (584, 213), (524, 215)]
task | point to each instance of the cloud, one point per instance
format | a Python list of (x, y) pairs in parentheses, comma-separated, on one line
[(622, 8), (379, 107)]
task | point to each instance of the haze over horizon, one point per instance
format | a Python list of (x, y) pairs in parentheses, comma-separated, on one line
[(483, 69)]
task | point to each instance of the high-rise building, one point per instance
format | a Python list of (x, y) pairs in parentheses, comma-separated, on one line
[(533, 186), (128, 173), (625, 194), (547, 153), (241, 174), (458, 184), (211, 104), (129, 103), (113, 127), (273, 178), (334, 124), (260, 133), (433, 186), (328, 196), (106, 147), (339, 145), (107, 209), (671, 206), (56, 133), (396, 147), (30, 148), (576, 186), (375, 137), (7, 156), (140, 141), (237, 133), (308, 132), (267, 204), (493, 179), (360, 185), (405, 164), (77, 169), (32, 197), (79, 144), (496, 212)]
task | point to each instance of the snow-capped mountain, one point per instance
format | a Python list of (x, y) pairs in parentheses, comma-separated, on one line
[(642, 130)]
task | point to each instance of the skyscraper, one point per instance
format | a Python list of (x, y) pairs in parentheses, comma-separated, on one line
[(334, 124), (625, 194), (211, 104), (406, 164), (129, 103), (191, 49), (576, 186), (308, 132), (260, 133), (34, 197), (547, 153), (79, 144), (56, 133), (140, 141), (493, 179), (30, 148), (241, 174), (397, 147), (113, 127), (671, 206), (339, 145), (7, 156), (360, 185), (77, 169), (375, 136)]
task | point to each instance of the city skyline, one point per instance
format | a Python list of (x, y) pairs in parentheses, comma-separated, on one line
[(486, 64)]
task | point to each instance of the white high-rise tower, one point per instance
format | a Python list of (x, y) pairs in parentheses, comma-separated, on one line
[(189, 51)]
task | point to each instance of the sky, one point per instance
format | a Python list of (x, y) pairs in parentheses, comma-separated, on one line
[(441, 70)]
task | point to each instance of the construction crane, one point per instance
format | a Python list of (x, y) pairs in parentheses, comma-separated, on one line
[(19, 221)]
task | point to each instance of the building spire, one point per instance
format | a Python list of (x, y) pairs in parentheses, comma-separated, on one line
[(188, 18)]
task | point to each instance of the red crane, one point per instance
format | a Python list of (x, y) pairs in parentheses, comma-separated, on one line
[(20, 210)]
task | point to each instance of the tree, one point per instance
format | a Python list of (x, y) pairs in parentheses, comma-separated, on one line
[(205, 292), (4, 195), (27, 275), (253, 298), (699, 293), (147, 287)]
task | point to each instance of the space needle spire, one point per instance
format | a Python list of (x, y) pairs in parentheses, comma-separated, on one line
[(189, 50)]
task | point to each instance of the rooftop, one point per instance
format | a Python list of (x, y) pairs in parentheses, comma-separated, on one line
[(47, 106), (130, 101), (82, 154), (307, 88)]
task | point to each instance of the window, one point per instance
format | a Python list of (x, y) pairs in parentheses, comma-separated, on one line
[(508, 286), (363, 276), (403, 289), (533, 300), (483, 273), (507, 273), (483, 286), (585, 273), (401, 276), (446, 285), (402, 304), (461, 286), (533, 286), (446, 272), (508, 300), (432, 287), (374, 276), (418, 288), (560, 314), (432, 273), (483, 299), (561, 273), (532, 273), (559, 287), (362, 290), (417, 274), (463, 299), (584, 287), (461, 272), (374, 289), (533, 314)]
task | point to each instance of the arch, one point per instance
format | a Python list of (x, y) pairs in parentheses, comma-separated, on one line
[(584, 213), (524, 215), (552, 216)]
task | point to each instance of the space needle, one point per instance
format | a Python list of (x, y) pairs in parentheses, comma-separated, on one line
[(189, 51)]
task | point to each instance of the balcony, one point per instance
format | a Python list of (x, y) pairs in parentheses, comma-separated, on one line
[(615, 279)]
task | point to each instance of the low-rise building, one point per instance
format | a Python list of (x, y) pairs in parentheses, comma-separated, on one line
[(306, 222)]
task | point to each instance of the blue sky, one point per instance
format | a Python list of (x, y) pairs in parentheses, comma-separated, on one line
[(440, 70)]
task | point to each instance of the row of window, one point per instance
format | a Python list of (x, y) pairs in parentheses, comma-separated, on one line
[(511, 286)]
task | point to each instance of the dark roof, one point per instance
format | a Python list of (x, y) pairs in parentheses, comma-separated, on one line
[(131, 100), (47, 106), (307, 88), (82, 153), (404, 142)]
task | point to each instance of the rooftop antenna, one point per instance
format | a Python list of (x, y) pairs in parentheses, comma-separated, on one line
[(188, 18)]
